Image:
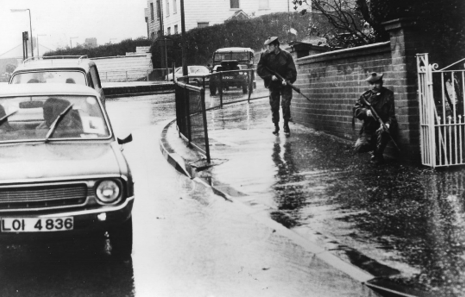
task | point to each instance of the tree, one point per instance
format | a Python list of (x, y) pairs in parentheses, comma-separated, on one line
[(356, 22), (341, 22)]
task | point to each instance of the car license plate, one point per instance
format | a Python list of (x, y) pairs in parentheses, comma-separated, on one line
[(16, 225), (228, 77)]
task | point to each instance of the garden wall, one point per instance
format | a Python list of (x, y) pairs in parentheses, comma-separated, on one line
[(335, 80)]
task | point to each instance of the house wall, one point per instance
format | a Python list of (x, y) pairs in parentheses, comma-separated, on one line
[(153, 24), (335, 80), (214, 12)]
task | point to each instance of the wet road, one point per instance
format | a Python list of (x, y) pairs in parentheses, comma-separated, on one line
[(399, 222), (187, 241)]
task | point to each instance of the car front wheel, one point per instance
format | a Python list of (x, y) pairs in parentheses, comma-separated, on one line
[(121, 240)]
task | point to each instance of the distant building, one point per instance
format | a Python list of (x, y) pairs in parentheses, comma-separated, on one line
[(165, 15), (90, 42)]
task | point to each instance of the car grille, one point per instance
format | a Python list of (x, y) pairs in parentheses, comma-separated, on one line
[(42, 196)]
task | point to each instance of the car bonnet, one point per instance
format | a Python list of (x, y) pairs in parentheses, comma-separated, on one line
[(57, 161)]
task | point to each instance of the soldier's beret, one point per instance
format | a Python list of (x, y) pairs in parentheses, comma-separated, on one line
[(272, 39), (374, 77)]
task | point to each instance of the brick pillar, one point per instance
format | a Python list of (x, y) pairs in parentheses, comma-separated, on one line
[(406, 42)]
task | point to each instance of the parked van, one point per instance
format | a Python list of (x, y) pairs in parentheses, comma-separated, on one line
[(232, 58)]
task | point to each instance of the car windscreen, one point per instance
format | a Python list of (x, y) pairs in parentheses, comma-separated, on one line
[(51, 117), (236, 56), (48, 76), (198, 70)]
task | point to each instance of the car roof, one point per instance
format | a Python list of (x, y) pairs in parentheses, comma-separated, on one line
[(55, 62), (8, 90), (234, 49)]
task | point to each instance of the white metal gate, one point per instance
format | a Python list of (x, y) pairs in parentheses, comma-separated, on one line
[(442, 120)]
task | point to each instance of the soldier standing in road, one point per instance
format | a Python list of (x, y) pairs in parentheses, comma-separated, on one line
[(274, 59), (373, 136)]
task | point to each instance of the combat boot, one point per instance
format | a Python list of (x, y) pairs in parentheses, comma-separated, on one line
[(276, 129), (377, 159), (287, 132)]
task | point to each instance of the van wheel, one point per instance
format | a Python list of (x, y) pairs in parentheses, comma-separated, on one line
[(121, 240)]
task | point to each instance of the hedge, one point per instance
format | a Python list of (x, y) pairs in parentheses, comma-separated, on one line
[(202, 42)]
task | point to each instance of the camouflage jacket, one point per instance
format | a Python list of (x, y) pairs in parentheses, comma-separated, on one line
[(382, 102), (282, 63)]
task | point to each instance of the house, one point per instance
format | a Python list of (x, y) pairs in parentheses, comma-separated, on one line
[(165, 15)]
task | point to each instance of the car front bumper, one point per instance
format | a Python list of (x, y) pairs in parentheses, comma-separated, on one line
[(86, 223)]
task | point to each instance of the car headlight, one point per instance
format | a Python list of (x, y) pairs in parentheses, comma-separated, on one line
[(108, 191)]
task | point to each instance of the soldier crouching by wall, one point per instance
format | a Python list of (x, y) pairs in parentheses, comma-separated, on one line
[(374, 136)]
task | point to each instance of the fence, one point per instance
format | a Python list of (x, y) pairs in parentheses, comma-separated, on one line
[(191, 116), (191, 102), (125, 75), (134, 75)]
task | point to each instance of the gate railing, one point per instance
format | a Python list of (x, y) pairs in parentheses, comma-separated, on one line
[(442, 119)]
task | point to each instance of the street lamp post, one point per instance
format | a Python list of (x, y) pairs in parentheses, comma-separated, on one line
[(30, 26), (38, 44), (183, 38)]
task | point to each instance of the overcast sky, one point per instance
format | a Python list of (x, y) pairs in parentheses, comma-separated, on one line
[(60, 20)]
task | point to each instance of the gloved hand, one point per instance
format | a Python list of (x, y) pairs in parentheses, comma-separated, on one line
[(369, 113), (381, 128), (274, 78), (284, 83)]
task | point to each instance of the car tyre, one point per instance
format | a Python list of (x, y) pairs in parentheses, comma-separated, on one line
[(244, 89), (121, 240)]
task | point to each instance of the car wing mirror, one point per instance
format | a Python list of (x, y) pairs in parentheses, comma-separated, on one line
[(127, 139)]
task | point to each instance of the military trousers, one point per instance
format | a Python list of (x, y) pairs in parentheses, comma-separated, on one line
[(281, 94), (376, 142)]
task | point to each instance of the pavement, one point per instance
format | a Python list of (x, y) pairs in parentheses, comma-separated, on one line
[(251, 168)]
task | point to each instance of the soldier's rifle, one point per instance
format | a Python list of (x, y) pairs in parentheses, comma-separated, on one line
[(297, 89), (378, 118)]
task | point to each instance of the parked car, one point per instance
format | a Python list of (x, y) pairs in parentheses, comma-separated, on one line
[(230, 60), (63, 172), (196, 72), (59, 69)]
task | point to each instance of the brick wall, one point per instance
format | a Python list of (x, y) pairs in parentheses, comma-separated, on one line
[(335, 80)]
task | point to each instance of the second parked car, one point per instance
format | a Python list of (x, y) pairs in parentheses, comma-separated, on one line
[(59, 69)]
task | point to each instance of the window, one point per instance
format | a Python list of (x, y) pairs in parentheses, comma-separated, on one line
[(158, 9), (175, 7), (169, 30), (202, 24), (234, 3), (167, 7), (176, 29), (264, 4), (152, 12)]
